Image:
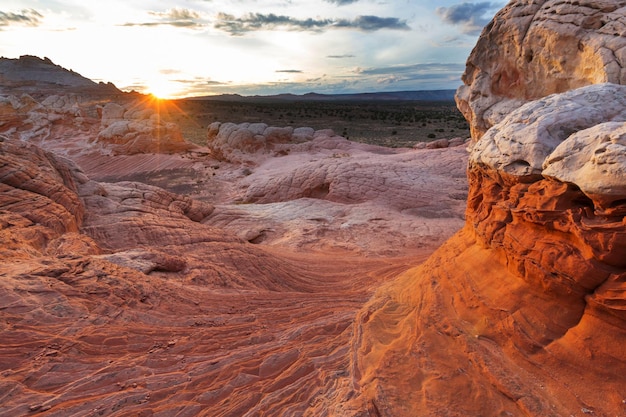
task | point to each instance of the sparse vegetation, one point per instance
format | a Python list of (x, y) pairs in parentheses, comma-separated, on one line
[(393, 124)]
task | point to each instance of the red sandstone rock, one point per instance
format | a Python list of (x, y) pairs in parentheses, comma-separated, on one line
[(523, 311), (174, 317)]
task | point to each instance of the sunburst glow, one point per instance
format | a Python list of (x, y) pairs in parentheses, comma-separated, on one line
[(163, 88)]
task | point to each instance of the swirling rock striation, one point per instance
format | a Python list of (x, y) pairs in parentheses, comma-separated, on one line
[(527, 304), (522, 312)]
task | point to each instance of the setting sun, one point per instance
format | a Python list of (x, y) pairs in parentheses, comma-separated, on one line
[(163, 89)]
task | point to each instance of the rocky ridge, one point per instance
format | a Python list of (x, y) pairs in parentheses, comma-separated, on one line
[(41, 78)]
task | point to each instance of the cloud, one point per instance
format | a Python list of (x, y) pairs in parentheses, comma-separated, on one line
[(340, 56), (373, 23), (177, 17), (28, 17), (413, 76), (169, 71), (413, 69), (258, 21), (200, 82), (341, 2), (290, 71), (177, 14), (470, 17)]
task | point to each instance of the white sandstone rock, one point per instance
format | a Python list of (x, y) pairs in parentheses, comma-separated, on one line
[(595, 160), (520, 144), (112, 112)]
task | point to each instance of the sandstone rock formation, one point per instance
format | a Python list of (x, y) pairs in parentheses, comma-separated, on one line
[(117, 299), (105, 127), (356, 198), (41, 77), (534, 49), (235, 142), (139, 130), (522, 142), (234, 296), (523, 311), (245, 295)]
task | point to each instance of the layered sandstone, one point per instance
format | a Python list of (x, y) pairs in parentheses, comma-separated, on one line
[(233, 296), (120, 299), (523, 312), (534, 49), (245, 296)]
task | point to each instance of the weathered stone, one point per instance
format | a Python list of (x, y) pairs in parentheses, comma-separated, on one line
[(520, 144), (534, 49), (594, 160)]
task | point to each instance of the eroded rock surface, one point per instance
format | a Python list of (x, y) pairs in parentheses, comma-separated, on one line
[(244, 142), (523, 311), (139, 130), (534, 49), (232, 292), (117, 299)]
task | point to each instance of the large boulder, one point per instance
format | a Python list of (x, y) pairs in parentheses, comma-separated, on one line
[(523, 312), (250, 142), (139, 130), (534, 49), (520, 144)]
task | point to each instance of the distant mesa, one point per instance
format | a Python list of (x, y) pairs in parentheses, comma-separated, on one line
[(40, 77)]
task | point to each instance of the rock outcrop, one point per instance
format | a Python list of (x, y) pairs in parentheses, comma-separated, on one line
[(104, 127), (118, 298), (39, 201), (243, 142), (41, 77), (139, 130), (523, 311), (534, 49)]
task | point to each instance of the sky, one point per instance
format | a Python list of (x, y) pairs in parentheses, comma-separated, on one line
[(178, 48)]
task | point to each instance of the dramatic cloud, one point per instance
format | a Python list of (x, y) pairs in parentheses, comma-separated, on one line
[(258, 21), (470, 17), (290, 71), (340, 56), (182, 18), (28, 17), (373, 23)]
